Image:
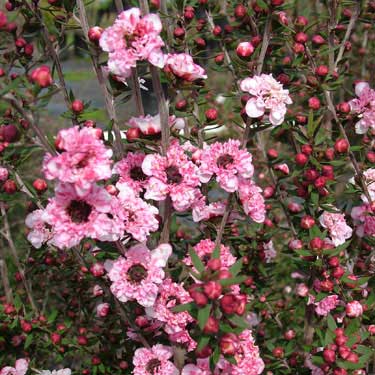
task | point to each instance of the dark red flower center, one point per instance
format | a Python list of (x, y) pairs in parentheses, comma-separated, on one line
[(137, 174), (137, 273), (79, 211), (224, 160), (84, 161), (173, 175), (153, 365)]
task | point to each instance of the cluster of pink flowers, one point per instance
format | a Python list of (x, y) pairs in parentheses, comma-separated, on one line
[(267, 95), (338, 230), (364, 107), (133, 37), (327, 304), (151, 125)]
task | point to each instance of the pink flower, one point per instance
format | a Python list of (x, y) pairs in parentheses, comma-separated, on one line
[(338, 230), (302, 290), (228, 162), (40, 232), (3, 174), (364, 220), (84, 159), (354, 309), (138, 274), (369, 176), (252, 200), (138, 217), (202, 211), (20, 368), (150, 125), (133, 38), (174, 175), (247, 358), (154, 361), (182, 66), (201, 368), (364, 107), (172, 294), (267, 95), (269, 251), (327, 304), (130, 170), (205, 248), (73, 217), (282, 168), (102, 310)]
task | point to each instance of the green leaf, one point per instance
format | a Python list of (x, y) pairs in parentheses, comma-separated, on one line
[(239, 321), (262, 4), (203, 315), (331, 322), (232, 280), (197, 263), (216, 253), (52, 316), (236, 267), (184, 307), (203, 341)]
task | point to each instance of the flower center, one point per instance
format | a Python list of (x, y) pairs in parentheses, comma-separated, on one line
[(224, 160), (137, 174), (79, 211), (84, 161), (173, 175), (137, 273), (153, 365)]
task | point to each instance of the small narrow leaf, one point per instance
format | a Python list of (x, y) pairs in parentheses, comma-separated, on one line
[(203, 315), (236, 268), (197, 263)]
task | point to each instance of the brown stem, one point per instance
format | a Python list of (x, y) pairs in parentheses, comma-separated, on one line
[(5, 280), (13, 250), (265, 42), (137, 92)]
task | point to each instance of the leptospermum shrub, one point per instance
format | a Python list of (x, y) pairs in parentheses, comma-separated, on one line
[(228, 229)]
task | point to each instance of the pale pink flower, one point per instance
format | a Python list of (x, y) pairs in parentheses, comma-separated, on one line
[(20, 368), (150, 125), (174, 175), (130, 170), (133, 38), (183, 66), (252, 200), (302, 290), (3, 174), (40, 232), (369, 177), (364, 220), (138, 217), (202, 211), (353, 309), (84, 159), (338, 230), (327, 304), (73, 217), (364, 107), (269, 251), (228, 162), (247, 357), (268, 96), (154, 361), (201, 368), (205, 248), (63, 371), (138, 274), (102, 310)]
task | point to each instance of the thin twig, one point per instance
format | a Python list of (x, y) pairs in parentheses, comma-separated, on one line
[(5, 280), (8, 236)]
